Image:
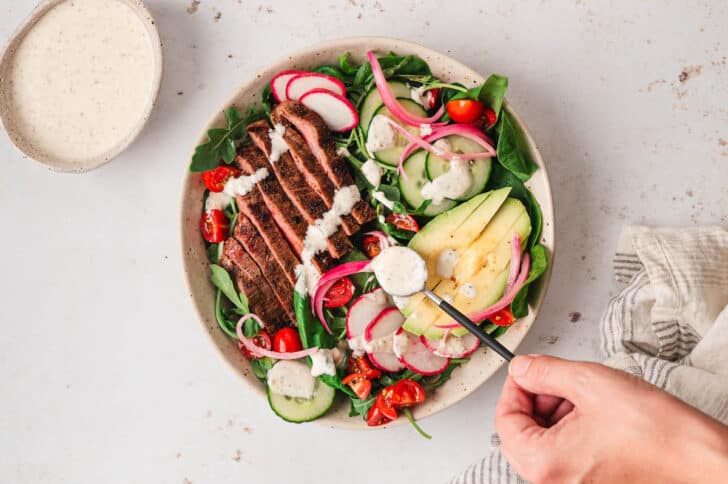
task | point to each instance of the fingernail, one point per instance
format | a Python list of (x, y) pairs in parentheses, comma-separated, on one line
[(519, 365)]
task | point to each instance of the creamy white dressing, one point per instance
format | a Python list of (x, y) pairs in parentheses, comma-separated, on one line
[(342, 151), (372, 172), (450, 345), (81, 79), (322, 363), (441, 146), (382, 198), (317, 235), (400, 302), (400, 343), (278, 145), (451, 184), (400, 271), (468, 290), (381, 134), (381, 219), (360, 345), (425, 129), (446, 263), (419, 95), (291, 378), (241, 185)]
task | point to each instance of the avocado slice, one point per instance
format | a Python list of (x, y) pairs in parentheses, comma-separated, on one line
[(455, 229)]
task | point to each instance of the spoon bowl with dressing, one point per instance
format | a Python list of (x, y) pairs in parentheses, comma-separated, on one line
[(78, 81)]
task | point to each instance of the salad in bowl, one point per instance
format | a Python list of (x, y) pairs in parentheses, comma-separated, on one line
[(336, 171)]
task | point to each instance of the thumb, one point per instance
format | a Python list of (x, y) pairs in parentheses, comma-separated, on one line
[(547, 375)]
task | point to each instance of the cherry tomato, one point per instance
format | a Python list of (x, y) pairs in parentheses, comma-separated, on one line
[(215, 179), (432, 96), (287, 340), (504, 317), (339, 294), (214, 226), (464, 110), (406, 393), (363, 366), (359, 383), (489, 118), (375, 417), (403, 222), (261, 340), (384, 403), (371, 246)]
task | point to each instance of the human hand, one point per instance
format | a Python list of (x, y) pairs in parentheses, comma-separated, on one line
[(566, 421)]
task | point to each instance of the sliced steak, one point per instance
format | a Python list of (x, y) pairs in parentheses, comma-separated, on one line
[(314, 173), (254, 209), (250, 281), (311, 206), (286, 215), (246, 233), (319, 139)]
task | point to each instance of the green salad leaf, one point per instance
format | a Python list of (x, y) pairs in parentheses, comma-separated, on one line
[(310, 330), (501, 177), (330, 71), (222, 280), (392, 65), (361, 407), (512, 149), (261, 366), (539, 263), (346, 65), (493, 91)]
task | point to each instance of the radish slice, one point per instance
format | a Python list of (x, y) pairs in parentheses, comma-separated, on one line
[(259, 352), (452, 346), (464, 130), (280, 81), (327, 280), (364, 310), (418, 358), (391, 101), (385, 325), (515, 261), (503, 302), (304, 82), (337, 111)]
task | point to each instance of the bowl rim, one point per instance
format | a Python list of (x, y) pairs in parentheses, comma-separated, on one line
[(376, 42), (56, 164)]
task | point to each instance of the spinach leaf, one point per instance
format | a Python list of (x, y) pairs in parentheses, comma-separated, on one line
[(267, 100), (221, 279), (221, 141), (390, 191), (261, 367), (512, 149), (500, 331), (392, 65), (492, 92), (310, 330), (334, 381), (539, 262), (361, 407), (227, 326), (500, 177), (346, 65), (250, 327), (360, 280), (214, 252)]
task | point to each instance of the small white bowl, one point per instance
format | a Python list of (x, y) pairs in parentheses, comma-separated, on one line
[(8, 114)]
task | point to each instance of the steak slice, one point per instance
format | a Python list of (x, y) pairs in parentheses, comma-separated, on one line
[(246, 233), (249, 280), (314, 173), (319, 139), (253, 208), (285, 214), (311, 206)]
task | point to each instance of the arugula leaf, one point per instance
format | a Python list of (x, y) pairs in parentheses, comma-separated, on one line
[(221, 141), (261, 367), (361, 407), (430, 383), (214, 252), (390, 191), (267, 101), (492, 92), (500, 331), (330, 71), (334, 381), (539, 263), (499, 178), (512, 150), (222, 280), (346, 65)]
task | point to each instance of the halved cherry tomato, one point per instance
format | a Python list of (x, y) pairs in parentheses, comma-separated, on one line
[(406, 393), (375, 417), (359, 383), (214, 225), (371, 246), (261, 340), (363, 366), (287, 340), (215, 179), (339, 294), (432, 96), (403, 222), (464, 110), (504, 317), (384, 403), (489, 118)]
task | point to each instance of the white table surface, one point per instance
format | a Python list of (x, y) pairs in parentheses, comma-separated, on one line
[(105, 374)]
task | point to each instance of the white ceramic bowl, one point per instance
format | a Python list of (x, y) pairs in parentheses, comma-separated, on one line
[(8, 117), (464, 379)]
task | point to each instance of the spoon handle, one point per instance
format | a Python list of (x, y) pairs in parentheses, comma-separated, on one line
[(476, 330)]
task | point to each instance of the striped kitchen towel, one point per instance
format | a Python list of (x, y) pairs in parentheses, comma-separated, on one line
[(668, 324)]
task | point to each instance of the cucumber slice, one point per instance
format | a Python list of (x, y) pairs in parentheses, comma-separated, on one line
[(372, 101), (390, 156), (479, 169), (411, 189), (298, 410)]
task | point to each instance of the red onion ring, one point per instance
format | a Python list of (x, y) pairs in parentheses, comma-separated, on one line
[(259, 352), (329, 279)]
